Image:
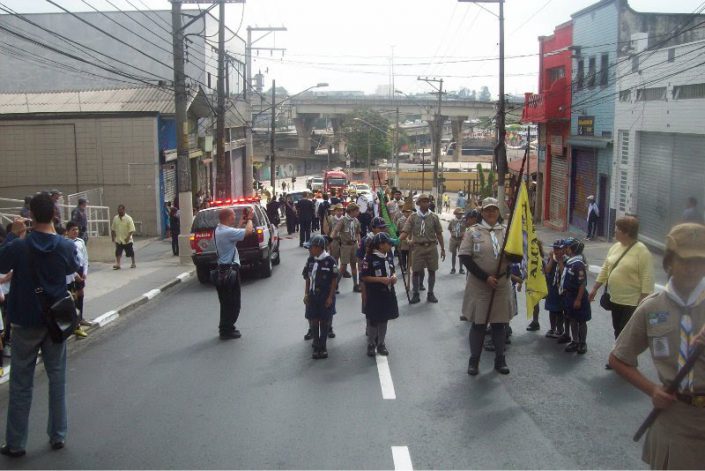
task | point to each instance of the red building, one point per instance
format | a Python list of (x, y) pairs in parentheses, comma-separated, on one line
[(550, 109)]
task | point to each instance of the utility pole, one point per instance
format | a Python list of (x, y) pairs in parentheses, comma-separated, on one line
[(396, 150), (272, 148), (436, 134), (223, 171), (500, 150), (182, 147), (369, 153)]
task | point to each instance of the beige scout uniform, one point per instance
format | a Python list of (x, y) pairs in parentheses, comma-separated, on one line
[(403, 244), (456, 227), (424, 253), (334, 244), (477, 243), (348, 230), (677, 439)]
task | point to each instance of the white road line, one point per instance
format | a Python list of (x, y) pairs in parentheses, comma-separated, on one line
[(184, 276), (385, 378), (402, 458), (6, 374), (105, 319), (152, 293)]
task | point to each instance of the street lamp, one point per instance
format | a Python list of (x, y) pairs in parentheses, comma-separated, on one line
[(272, 134)]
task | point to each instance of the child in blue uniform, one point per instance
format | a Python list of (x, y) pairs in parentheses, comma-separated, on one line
[(575, 296), (554, 303), (321, 275), (380, 298)]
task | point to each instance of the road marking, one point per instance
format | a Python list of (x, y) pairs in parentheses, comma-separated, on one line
[(105, 319), (385, 377), (6, 373), (152, 293), (402, 458), (184, 276)]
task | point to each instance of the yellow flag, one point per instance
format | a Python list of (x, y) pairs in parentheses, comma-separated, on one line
[(522, 242)]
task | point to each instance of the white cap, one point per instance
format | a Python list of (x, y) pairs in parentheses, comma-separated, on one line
[(591, 197)]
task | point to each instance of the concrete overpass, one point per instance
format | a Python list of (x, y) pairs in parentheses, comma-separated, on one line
[(305, 109)]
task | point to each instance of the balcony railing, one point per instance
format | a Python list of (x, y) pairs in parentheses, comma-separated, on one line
[(553, 104)]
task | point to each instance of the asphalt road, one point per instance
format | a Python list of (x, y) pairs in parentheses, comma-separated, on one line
[(158, 389)]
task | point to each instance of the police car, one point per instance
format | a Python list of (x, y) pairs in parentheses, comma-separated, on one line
[(259, 251)]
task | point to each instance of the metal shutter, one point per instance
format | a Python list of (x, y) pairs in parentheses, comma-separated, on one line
[(584, 185), (557, 203), (688, 178), (653, 204), (169, 178)]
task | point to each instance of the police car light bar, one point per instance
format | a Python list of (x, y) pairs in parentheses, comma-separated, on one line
[(251, 199)]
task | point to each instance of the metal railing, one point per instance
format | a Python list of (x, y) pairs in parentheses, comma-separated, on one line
[(98, 216)]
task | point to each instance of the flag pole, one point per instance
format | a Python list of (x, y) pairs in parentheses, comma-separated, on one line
[(509, 224)]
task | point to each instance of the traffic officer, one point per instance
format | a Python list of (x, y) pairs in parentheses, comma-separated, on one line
[(480, 252), (425, 230), (456, 227), (669, 324), (348, 230)]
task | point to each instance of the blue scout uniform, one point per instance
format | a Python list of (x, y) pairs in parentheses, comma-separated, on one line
[(321, 272), (381, 299), (574, 275), (553, 302)]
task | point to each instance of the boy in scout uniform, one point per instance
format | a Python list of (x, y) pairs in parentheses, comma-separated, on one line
[(335, 214), (424, 229), (456, 228), (669, 324), (348, 232)]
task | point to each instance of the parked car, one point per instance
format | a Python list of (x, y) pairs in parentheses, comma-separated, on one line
[(316, 184), (259, 251)]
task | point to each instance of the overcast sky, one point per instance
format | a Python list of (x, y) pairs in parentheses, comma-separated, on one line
[(349, 44)]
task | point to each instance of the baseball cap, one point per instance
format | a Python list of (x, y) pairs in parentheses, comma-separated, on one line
[(317, 241), (687, 240), (490, 203), (352, 207), (378, 223), (381, 238), (558, 244)]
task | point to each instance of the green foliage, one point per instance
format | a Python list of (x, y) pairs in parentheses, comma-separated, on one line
[(485, 94), (360, 136), (486, 184)]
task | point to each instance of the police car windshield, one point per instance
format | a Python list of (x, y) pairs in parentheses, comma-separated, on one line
[(208, 218)]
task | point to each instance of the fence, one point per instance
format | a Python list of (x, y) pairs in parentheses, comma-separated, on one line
[(98, 216)]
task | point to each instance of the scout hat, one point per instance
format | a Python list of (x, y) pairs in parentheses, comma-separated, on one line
[(687, 240), (473, 213), (490, 203), (338, 206), (458, 211), (558, 244), (407, 210), (423, 196), (352, 207), (378, 223), (380, 239)]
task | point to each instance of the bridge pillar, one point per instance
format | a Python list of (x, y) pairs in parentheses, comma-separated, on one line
[(457, 130), (304, 127), (338, 138)]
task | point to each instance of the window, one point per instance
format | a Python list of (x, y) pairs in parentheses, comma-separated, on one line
[(579, 79), (604, 69), (625, 96), (635, 64), (209, 80), (555, 74), (672, 54), (623, 170), (689, 92), (591, 72), (651, 94)]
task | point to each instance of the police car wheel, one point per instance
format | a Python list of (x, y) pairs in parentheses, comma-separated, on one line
[(203, 274), (265, 270)]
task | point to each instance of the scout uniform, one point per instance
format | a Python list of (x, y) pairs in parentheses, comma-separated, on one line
[(574, 276), (553, 303), (456, 227), (666, 324), (331, 221), (348, 232), (424, 231)]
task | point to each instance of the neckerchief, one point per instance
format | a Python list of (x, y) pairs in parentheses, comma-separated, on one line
[(314, 270), (457, 224), (423, 220), (493, 236), (387, 269), (351, 226), (686, 326)]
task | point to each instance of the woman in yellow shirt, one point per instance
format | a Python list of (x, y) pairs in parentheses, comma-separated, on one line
[(632, 279)]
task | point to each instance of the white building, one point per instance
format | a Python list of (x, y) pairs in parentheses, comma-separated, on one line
[(659, 153)]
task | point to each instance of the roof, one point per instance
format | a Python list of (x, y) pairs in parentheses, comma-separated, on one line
[(120, 100), (515, 165)]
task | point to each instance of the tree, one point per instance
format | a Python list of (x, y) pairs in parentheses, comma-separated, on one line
[(360, 136), (486, 187), (485, 94)]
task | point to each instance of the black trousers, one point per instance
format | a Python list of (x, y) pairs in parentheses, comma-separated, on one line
[(316, 224), (229, 298), (175, 243), (304, 231), (592, 226), (620, 316)]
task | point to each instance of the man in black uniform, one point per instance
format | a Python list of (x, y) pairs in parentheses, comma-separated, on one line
[(306, 210), (273, 211)]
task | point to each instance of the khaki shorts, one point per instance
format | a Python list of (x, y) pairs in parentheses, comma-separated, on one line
[(424, 257), (334, 249), (347, 254), (454, 244)]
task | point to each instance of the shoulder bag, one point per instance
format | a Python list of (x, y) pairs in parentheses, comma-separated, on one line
[(60, 317), (606, 299), (223, 276)]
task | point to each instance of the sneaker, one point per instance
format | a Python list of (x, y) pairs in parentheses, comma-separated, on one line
[(323, 354), (452, 271), (431, 298), (565, 338), (382, 350), (461, 271), (80, 333), (57, 445), (309, 335), (415, 299), (7, 451), (356, 289), (582, 348), (133, 266), (331, 334), (473, 366), (463, 318), (500, 365), (370, 350), (551, 334), (346, 274), (533, 327), (572, 347), (422, 287), (85, 323), (316, 354), (608, 367)]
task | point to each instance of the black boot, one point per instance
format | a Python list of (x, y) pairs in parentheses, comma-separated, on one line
[(415, 299), (500, 365), (431, 298), (473, 366), (309, 335)]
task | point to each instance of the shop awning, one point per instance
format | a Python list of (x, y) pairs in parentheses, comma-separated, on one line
[(515, 165), (591, 142)]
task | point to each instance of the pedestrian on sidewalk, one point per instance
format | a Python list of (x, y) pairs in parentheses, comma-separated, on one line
[(627, 273), (321, 275), (592, 218), (669, 324), (76, 282), (122, 230), (380, 304), (305, 209), (46, 257), (226, 237), (553, 303), (348, 231), (691, 213), (80, 218), (175, 224), (457, 228), (291, 218), (480, 251), (575, 295)]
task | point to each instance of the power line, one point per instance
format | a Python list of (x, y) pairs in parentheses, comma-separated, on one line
[(531, 17)]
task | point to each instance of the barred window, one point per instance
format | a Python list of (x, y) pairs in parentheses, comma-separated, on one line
[(625, 96), (689, 92), (651, 94)]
